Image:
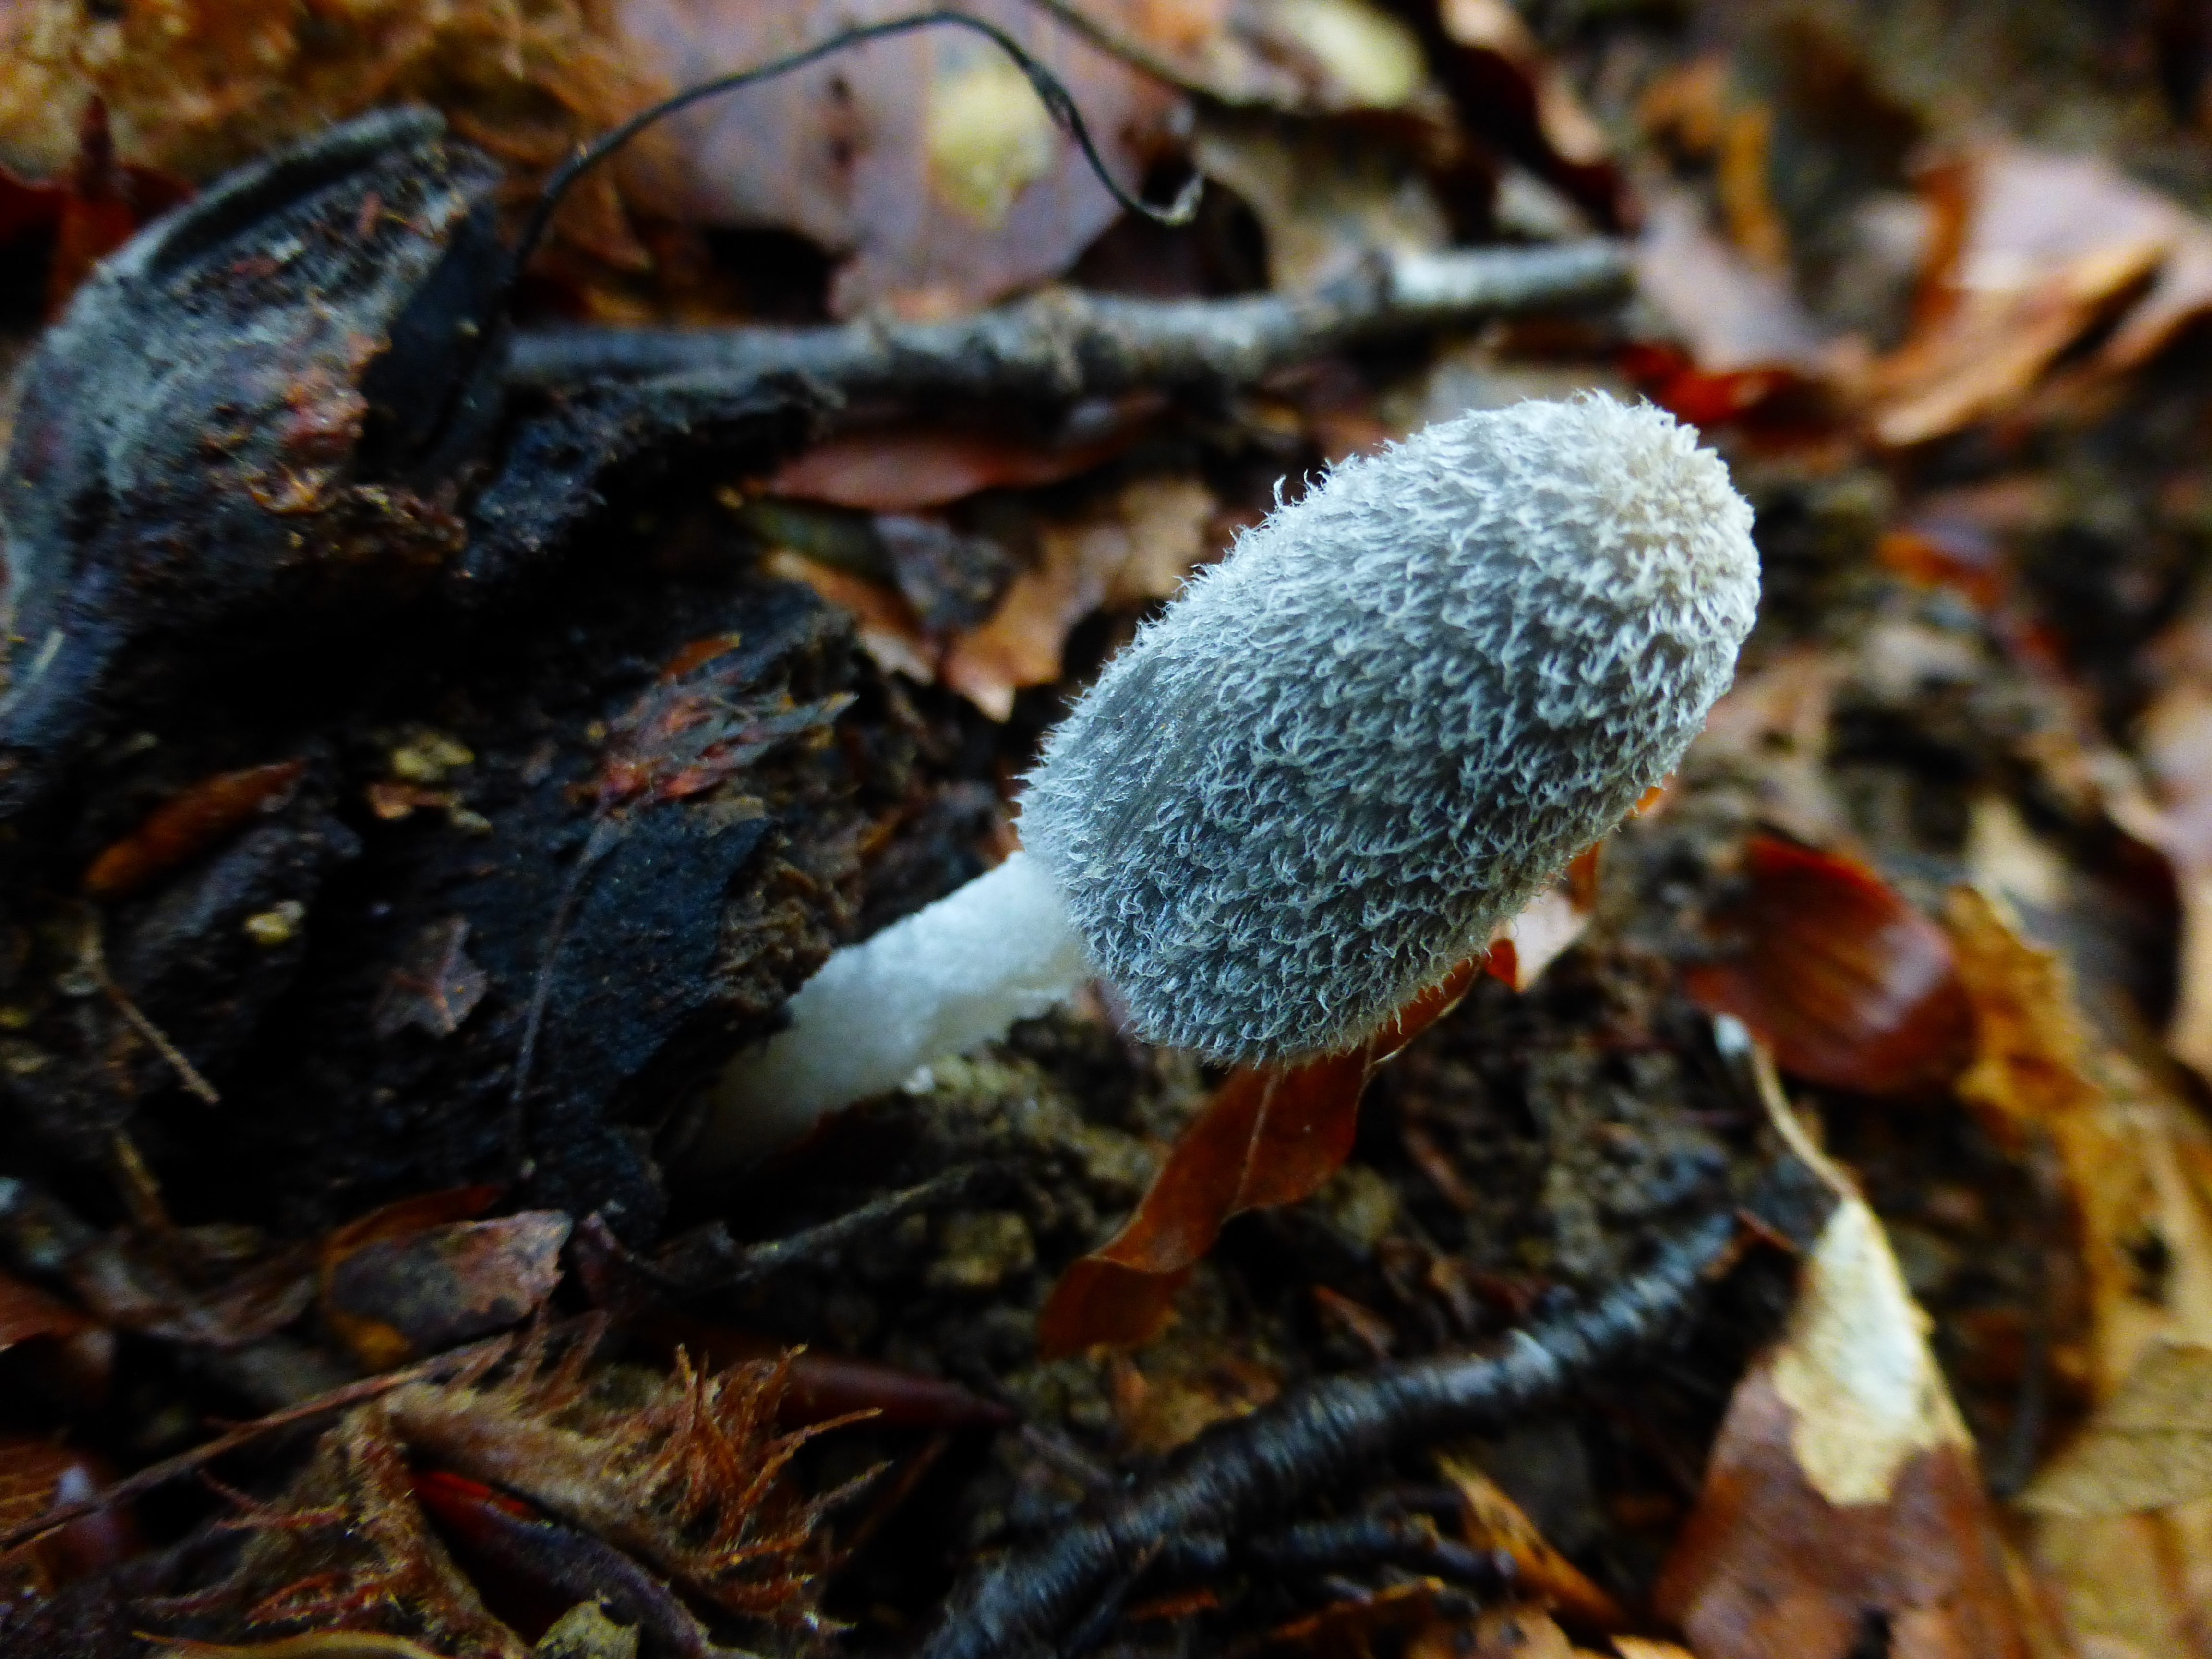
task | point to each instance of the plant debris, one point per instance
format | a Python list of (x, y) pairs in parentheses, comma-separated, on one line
[(448, 706)]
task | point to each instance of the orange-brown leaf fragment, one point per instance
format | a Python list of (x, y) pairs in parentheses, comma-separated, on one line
[(188, 823), (1494, 1521), (1269, 1135), (27, 1311), (1850, 985), (392, 1299), (904, 468)]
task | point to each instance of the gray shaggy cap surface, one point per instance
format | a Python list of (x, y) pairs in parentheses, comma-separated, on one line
[(1383, 723)]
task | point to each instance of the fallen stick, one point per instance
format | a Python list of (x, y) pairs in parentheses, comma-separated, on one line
[(196, 1457), (1065, 343), (1256, 1470)]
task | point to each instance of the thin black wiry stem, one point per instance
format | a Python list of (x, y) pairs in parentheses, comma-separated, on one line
[(1064, 345), (1259, 1468), (710, 1260), (1051, 91)]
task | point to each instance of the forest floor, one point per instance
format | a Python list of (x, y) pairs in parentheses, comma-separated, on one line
[(1808, 1211)]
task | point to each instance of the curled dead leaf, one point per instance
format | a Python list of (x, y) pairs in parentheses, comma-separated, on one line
[(1851, 986), (2049, 245), (1492, 1520), (1267, 1136), (395, 1297)]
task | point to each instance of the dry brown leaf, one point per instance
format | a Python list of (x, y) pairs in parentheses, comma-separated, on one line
[(2149, 1448), (1842, 1496), (392, 1299), (1732, 314), (1183, 1388), (1328, 196), (1643, 1647), (2138, 1169), (1142, 545), (2051, 246), (903, 469), (189, 824), (1501, 1634), (197, 86), (1850, 985), (2175, 738), (2131, 1154), (27, 1312), (924, 162), (884, 620), (1492, 1520), (1268, 1135)]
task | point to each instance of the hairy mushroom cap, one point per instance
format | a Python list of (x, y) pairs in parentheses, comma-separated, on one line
[(1371, 733)]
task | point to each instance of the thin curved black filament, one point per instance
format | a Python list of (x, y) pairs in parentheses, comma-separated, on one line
[(1051, 91)]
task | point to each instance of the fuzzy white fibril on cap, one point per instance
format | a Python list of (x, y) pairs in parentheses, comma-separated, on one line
[(1339, 759), (1373, 731)]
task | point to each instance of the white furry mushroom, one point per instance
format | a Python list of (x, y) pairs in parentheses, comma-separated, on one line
[(1340, 759)]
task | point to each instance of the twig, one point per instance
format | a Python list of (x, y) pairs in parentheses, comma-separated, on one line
[(708, 1259), (185, 1462), (93, 955), (1065, 343), (1258, 1468)]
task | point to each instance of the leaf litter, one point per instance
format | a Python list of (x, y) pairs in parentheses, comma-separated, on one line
[(1940, 850)]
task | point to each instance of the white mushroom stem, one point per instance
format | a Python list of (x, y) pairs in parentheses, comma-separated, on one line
[(951, 977)]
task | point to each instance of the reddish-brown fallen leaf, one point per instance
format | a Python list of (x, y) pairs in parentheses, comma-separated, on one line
[(434, 987), (394, 1297), (1842, 1497), (1269, 1135), (1851, 986), (906, 469), (187, 824)]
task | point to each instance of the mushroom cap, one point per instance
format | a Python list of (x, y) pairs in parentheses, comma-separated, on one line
[(1377, 728)]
